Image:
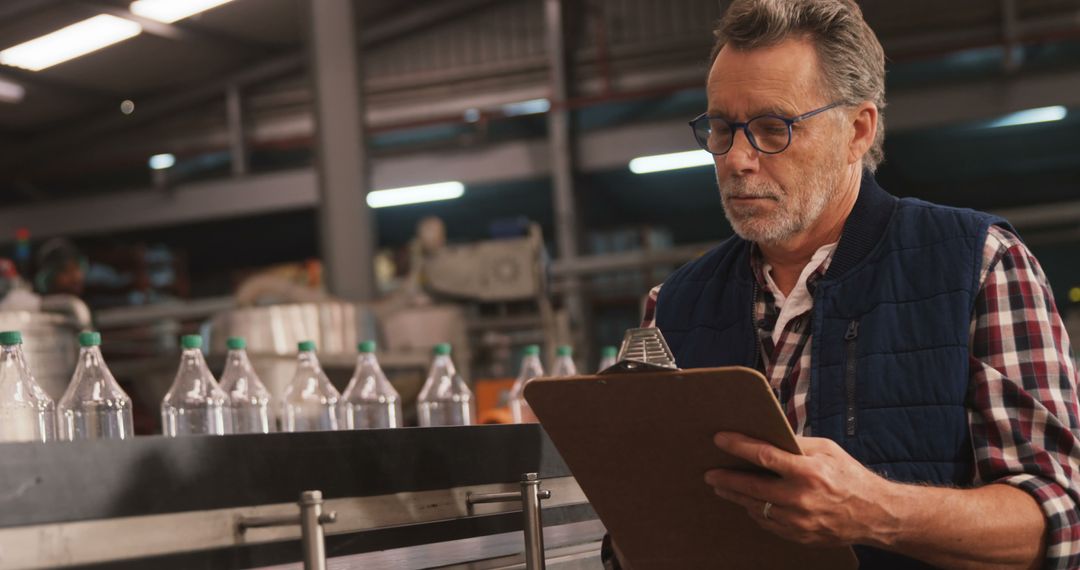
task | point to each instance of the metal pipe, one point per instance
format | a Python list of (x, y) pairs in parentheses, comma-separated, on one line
[(234, 121), (533, 524), (312, 541)]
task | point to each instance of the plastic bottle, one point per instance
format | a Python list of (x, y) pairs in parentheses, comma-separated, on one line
[(310, 401), (249, 400), (530, 368), (94, 405), (445, 399), (608, 356), (564, 362), (370, 401), (195, 404), (27, 413)]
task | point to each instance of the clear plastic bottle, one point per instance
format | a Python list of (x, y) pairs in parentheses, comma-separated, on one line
[(249, 400), (27, 413), (564, 362), (195, 404), (370, 401), (530, 368), (445, 399), (94, 405), (608, 356), (310, 401)]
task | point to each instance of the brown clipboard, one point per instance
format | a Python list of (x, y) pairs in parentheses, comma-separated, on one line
[(639, 444)]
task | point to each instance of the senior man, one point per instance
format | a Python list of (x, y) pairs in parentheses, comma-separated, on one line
[(916, 349)]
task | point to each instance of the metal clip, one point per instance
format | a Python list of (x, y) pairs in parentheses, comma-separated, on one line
[(643, 350)]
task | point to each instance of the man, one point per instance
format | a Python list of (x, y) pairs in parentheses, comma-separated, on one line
[(915, 349)]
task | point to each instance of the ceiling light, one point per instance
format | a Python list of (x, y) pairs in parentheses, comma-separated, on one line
[(162, 161), (673, 161), (67, 43), (415, 194), (530, 107), (169, 11), (1030, 116), (11, 92)]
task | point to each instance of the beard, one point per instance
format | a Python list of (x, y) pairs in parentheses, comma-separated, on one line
[(792, 211)]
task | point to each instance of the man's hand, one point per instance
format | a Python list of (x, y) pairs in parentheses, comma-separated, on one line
[(822, 498)]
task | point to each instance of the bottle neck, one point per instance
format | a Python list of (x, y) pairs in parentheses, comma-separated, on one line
[(237, 358), (443, 365), (91, 356), (308, 361), (367, 360), (531, 367)]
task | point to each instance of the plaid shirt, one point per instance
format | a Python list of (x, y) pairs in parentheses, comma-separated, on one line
[(1024, 416)]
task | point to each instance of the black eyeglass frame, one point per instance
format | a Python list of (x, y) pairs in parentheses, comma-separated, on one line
[(745, 128)]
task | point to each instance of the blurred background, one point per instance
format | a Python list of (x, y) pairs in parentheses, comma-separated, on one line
[(425, 171)]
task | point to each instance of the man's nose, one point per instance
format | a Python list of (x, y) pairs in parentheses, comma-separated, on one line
[(742, 158)]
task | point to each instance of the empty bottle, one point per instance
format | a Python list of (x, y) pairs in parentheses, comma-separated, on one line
[(530, 368), (27, 413), (370, 401), (94, 405), (445, 399), (249, 400), (564, 362), (195, 404), (608, 356), (310, 401)]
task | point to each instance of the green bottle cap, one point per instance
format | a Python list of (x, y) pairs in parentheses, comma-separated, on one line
[(9, 338), (366, 347), (306, 346), (564, 350), (236, 343), (442, 349), (532, 350), (609, 352), (87, 339), (190, 341)]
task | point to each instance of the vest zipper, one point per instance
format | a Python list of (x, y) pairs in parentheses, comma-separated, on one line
[(850, 365)]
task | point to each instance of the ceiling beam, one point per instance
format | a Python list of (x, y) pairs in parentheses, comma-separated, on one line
[(79, 132), (174, 31)]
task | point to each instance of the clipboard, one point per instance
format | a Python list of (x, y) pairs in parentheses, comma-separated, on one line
[(639, 443)]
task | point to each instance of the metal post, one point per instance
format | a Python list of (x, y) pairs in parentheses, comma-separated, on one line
[(533, 524), (346, 224), (310, 519), (234, 122), (312, 540), (562, 153), (530, 496)]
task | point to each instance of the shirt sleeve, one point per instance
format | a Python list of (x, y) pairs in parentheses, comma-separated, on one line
[(648, 314), (1024, 416)]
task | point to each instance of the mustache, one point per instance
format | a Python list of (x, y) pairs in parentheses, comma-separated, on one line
[(743, 189)]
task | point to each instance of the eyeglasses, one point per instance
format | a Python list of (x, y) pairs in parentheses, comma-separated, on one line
[(770, 134)]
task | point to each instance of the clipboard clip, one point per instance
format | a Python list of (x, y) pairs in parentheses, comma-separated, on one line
[(643, 350)]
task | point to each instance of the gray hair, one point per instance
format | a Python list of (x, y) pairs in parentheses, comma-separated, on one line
[(852, 61)]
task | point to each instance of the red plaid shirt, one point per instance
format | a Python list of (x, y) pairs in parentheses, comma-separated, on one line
[(1024, 419)]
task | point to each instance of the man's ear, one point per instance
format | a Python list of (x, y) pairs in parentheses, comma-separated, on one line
[(864, 121)]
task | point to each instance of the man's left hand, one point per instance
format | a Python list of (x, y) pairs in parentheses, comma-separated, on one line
[(823, 498)]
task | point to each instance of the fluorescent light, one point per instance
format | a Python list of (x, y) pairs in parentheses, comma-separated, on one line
[(530, 107), (1030, 116), (70, 42), (11, 92), (169, 11), (415, 194), (673, 161), (162, 161)]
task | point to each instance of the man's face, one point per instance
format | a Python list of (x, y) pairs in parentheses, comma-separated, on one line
[(772, 198)]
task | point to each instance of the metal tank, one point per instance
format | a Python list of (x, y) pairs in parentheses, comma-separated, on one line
[(50, 338)]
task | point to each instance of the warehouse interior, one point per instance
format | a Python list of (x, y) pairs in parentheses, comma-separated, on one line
[(215, 175)]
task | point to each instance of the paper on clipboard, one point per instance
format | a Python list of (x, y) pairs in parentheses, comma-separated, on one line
[(639, 444)]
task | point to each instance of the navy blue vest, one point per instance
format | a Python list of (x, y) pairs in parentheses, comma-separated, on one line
[(891, 325)]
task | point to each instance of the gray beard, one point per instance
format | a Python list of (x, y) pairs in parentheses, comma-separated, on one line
[(791, 215)]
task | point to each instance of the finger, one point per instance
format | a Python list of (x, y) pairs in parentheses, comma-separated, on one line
[(756, 486), (816, 445), (757, 452)]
